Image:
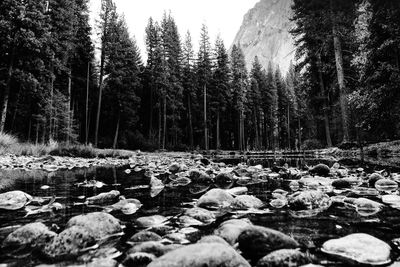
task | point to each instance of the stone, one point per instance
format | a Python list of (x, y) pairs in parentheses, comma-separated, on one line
[(231, 229), (247, 202), (104, 198), (155, 248), (199, 176), (33, 235), (200, 255), (321, 170), (150, 221), (100, 224), (69, 243), (373, 178), (283, 258), (236, 191), (144, 236), (215, 198), (386, 185), (341, 184), (212, 239), (257, 241), (359, 248), (224, 180), (308, 203), (174, 167), (14, 200), (200, 214), (138, 259)]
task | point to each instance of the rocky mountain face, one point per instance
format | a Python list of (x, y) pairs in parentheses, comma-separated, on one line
[(265, 33)]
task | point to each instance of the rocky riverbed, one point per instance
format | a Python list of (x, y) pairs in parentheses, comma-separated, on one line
[(175, 209)]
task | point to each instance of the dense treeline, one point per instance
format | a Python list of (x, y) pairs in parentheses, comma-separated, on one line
[(343, 88)]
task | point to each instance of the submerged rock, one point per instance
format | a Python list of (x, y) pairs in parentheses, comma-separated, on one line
[(70, 243), (231, 229), (33, 235), (257, 241), (359, 248), (386, 185), (104, 198), (215, 198), (283, 258), (138, 259), (14, 200), (144, 236), (247, 202), (200, 255), (200, 214), (150, 221), (213, 239), (308, 203), (126, 206), (100, 224)]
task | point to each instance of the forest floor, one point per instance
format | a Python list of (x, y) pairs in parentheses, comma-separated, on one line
[(382, 149)]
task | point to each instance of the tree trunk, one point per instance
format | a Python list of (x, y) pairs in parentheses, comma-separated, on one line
[(151, 110), (16, 109), (288, 126), (340, 76), (190, 123), (159, 123), (6, 92), (87, 106), (218, 146), (69, 106), (299, 125), (51, 119), (116, 132), (164, 121), (325, 104), (205, 119)]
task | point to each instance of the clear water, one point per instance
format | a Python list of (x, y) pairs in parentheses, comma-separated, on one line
[(311, 232)]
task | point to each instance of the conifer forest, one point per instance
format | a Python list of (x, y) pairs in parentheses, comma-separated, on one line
[(58, 83)]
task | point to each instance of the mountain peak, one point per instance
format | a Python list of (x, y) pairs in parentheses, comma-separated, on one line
[(265, 33)]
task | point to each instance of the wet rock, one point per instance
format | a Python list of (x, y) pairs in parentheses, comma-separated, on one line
[(236, 191), (152, 247), (308, 203), (70, 243), (231, 229), (279, 203), (341, 184), (127, 206), (144, 236), (200, 214), (198, 176), (100, 224), (373, 178), (386, 185), (33, 235), (104, 198), (14, 200), (174, 167), (199, 188), (201, 254), (359, 248), (138, 259), (321, 170), (150, 221), (224, 180), (156, 186), (317, 183), (364, 206), (213, 239), (257, 241), (247, 202), (283, 258), (183, 181), (294, 185), (215, 198)]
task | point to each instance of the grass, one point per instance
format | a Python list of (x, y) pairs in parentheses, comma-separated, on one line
[(10, 145)]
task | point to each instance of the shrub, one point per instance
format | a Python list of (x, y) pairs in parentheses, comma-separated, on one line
[(311, 144), (7, 140)]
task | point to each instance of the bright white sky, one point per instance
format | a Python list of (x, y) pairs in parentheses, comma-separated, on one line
[(222, 17)]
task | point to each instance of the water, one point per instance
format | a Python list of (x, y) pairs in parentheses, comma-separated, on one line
[(311, 232)]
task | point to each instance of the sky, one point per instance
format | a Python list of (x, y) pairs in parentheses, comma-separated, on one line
[(222, 17)]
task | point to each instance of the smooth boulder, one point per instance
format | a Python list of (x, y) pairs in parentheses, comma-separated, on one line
[(321, 170), (231, 229), (244, 202), (215, 198), (283, 258), (104, 198), (359, 248), (14, 200), (257, 241), (200, 255)]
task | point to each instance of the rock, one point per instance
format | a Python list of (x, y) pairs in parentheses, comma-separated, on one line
[(144, 236), (183, 181), (247, 202), (212, 239), (153, 247), (365, 206), (257, 241), (231, 229), (205, 161), (156, 186), (283, 258), (224, 180), (373, 178), (100, 224), (200, 255), (341, 184), (199, 176), (308, 203), (150, 221), (127, 206), (14, 200), (321, 170), (359, 248), (215, 198), (386, 185), (104, 198), (174, 167), (33, 235), (200, 214), (69, 243), (294, 185), (138, 259), (236, 191)]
